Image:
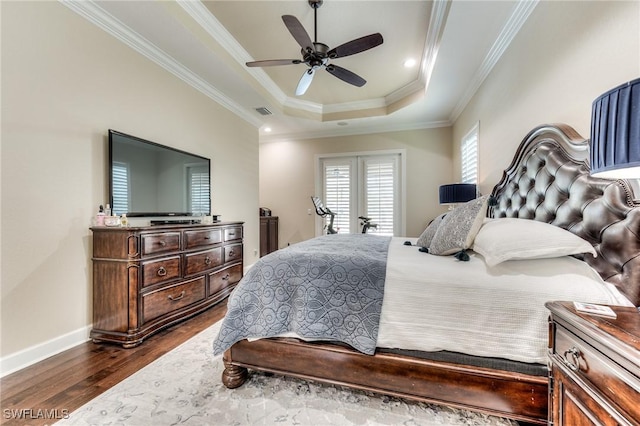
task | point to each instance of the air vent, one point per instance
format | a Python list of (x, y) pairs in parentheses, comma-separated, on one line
[(263, 111)]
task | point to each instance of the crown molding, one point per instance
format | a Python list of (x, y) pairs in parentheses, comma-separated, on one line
[(355, 105), (218, 32), (517, 19), (89, 10), (353, 131), (437, 21), (213, 27), (321, 109)]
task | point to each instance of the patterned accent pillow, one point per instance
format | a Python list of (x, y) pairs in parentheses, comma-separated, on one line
[(459, 227), (427, 235)]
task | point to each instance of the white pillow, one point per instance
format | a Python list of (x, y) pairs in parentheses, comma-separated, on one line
[(505, 239), (459, 227)]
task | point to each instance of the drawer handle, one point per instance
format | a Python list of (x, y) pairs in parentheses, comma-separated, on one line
[(162, 272), (163, 243), (572, 358), (170, 297), (226, 277), (231, 253), (207, 261), (232, 234)]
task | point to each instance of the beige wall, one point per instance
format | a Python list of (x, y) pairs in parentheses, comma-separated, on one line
[(287, 175), (64, 83), (567, 54)]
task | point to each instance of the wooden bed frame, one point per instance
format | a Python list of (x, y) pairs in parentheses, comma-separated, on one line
[(549, 181)]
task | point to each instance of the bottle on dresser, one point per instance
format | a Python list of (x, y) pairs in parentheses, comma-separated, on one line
[(100, 216)]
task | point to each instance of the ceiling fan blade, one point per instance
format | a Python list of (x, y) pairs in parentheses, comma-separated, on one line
[(273, 62), (305, 81), (346, 75), (356, 46), (298, 32)]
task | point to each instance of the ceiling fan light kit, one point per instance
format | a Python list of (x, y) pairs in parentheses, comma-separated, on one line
[(317, 55)]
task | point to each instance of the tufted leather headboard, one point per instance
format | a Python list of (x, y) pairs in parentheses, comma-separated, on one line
[(549, 181)]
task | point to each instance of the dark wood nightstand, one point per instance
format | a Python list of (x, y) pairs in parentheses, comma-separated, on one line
[(595, 367)]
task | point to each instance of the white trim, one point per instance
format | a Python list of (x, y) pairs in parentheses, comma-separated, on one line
[(437, 22), (26, 357), (351, 131), (218, 32), (517, 19), (403, 189), (246, 268), (102, 19), (403, 183), (91, 11), (210, 23)]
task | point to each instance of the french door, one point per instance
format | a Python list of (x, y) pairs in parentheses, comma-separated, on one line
[(368, 185)]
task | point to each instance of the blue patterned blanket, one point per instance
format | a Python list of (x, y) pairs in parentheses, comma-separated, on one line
[(326, 288)]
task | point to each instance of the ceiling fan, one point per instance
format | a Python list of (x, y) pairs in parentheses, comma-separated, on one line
[(318, 55)]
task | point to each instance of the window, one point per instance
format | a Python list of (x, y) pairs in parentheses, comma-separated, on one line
[(363, 185), (198, 181), (120, 182), (469, 156), (337, 193), (379, 192)]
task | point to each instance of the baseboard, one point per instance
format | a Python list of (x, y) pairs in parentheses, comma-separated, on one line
[(29, 356), (246, 269)]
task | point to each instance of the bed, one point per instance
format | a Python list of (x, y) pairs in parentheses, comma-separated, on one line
[(379, 336)]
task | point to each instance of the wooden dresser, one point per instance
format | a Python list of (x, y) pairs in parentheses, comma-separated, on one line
[(148, 278), (595, 367)]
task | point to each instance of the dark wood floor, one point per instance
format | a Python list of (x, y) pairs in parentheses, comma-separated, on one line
[(66, 381)]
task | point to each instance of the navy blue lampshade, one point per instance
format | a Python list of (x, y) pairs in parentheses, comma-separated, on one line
[(615, 132), (457, 193)]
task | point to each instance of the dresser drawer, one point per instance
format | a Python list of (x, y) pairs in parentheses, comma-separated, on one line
[(616, 384), (160, 242), (193, 239), (202, 261), (232, 253), (233, 233), (160, 270), (222, 279), (169, 299)]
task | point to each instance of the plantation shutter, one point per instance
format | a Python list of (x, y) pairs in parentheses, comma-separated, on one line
[(379, 193), (363, 185), (199, 190), (469, 157), (337, 194), (120, 188)]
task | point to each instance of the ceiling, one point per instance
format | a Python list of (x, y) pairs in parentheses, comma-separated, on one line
[(207, 43)]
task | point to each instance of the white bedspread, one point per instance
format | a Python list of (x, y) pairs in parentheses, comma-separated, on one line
[(434, 303)]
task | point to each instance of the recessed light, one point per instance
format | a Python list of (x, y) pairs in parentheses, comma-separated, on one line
[(409, 63), (267, 129)]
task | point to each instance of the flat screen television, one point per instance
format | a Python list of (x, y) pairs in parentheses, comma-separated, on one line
[(147, 179)]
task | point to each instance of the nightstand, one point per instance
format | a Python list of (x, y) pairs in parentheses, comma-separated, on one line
[(594, 367)]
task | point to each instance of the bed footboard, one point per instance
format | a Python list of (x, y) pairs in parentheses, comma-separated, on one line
[(502, 393)]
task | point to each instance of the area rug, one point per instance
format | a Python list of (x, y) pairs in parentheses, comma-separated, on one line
[(184, 387)]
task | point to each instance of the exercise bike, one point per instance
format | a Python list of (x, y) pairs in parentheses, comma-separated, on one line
[(366, 224), (323, 211)]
